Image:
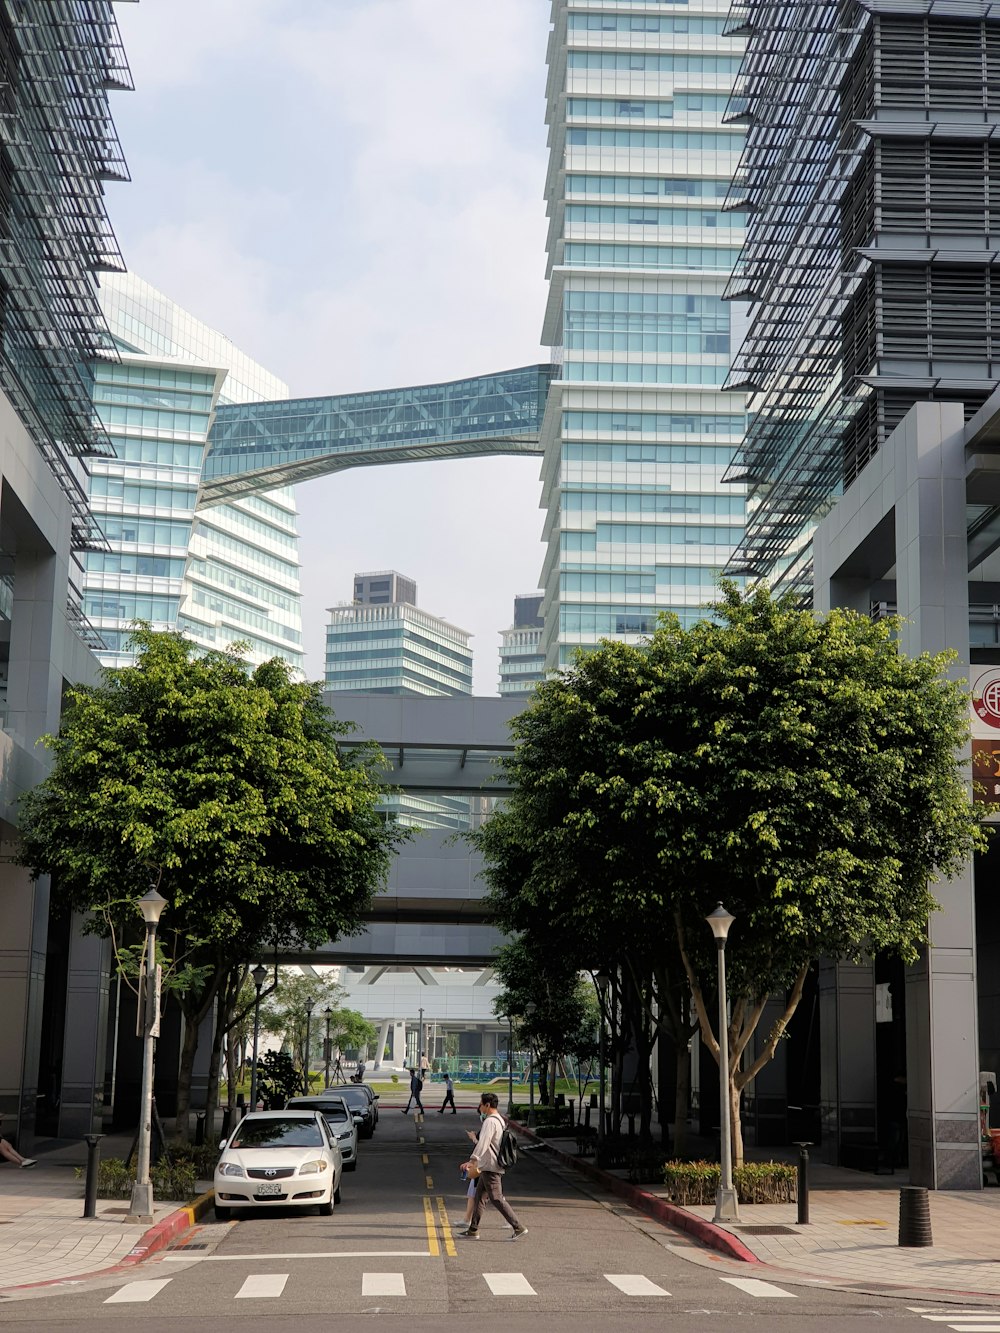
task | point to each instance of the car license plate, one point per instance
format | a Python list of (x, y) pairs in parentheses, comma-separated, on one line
[(269, 1189)]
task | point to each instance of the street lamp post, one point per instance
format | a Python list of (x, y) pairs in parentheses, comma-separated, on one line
[(727, 1207), (510, 1065), (259, 975), (151, 904), (326, 1047), (603, 982), (310, 1005), (529, 1012)]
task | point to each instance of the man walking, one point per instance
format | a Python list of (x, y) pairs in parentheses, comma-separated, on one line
[(490, 1183), (449, 1095), (416, 1084)]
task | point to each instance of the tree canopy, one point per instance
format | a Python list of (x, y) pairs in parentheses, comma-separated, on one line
[(227, 787), (800, 767)]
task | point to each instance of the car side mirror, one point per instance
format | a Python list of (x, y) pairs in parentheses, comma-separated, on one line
[(222, 1144), (375, 1097), (358, 1119)]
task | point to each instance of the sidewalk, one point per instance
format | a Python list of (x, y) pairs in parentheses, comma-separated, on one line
[(851, 1239), (43, 1233)]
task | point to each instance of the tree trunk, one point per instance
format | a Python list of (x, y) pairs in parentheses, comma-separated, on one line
[(736, 1123), (189, 1049), (682, 1098), (212, 1092), (543, 1083)]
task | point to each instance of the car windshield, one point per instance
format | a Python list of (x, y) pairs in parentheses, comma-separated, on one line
[(278, 1132), (355, 1097), (332, 1111)]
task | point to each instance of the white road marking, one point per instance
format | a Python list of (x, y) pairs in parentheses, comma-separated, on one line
[(974, 1328), (181, 1258), (383, 1284), (963, 1316), (262, 1284), (509, 1284), (137, 1291), (753, 1286), (634, 1284)]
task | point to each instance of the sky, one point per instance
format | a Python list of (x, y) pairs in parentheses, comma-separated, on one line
[(352, 192)]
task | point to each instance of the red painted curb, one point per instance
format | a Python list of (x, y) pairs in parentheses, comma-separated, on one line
[(671, 1214)]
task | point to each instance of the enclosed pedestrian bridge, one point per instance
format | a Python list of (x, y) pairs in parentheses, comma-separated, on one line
[(258, 446), (431, 911)]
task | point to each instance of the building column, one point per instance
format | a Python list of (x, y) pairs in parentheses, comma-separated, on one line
[(398, 1041), (383, 1037), (847, 1056), (88, 990), (24, 922), (932, 594)]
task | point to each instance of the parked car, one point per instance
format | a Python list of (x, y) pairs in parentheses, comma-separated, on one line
[(361, 1100), (341, 1120), (291, 1158)]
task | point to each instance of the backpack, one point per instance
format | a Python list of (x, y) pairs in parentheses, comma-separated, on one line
[(507, 1149)]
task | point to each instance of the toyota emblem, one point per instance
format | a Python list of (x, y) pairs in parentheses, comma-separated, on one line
[(270, 1171)]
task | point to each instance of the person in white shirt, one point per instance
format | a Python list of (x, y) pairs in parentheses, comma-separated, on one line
[(484, 1159)]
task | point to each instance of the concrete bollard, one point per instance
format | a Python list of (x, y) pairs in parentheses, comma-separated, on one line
[(914, 1216)]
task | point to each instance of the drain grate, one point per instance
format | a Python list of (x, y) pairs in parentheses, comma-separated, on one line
[(769, 1231), (193, 1245)]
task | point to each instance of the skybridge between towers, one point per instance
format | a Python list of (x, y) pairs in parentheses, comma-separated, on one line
[(259, 446)]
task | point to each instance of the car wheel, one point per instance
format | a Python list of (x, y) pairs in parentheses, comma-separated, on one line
[(336, 1197), (326, 1209), (350, 1166), (222, 1214)]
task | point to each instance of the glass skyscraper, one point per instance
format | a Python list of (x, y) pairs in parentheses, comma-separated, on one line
[(638, 432), (221, 572)]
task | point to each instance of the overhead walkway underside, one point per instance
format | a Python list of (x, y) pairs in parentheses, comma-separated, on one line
[(258, 446), (432, 909)]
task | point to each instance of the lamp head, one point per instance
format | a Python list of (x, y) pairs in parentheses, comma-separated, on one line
[(151, 904), (329, 1013), (259, 975), (530, 1009), (310, 1005), (720, 921)]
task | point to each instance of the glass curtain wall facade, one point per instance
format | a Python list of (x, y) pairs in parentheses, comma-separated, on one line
[(222, 573), (638, 432), (522, 658)]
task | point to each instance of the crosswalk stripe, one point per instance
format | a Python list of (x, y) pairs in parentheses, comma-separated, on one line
[(383, 1284), (262, 1284), (963, 1317), (137, 1291), (966, 1327), (634, 1284), (509, 1284), (753, 1286)]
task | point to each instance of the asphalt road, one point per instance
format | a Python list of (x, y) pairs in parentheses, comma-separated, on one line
[(390, 1253)]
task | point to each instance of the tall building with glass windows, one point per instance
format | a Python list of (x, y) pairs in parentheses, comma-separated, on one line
[(221, 572), (383, 643), (522, 658), (637, 431)]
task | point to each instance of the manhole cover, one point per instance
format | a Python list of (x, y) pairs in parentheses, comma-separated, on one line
[(769, 1231)]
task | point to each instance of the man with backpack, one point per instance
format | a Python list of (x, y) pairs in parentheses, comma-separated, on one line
[(495, 1150)]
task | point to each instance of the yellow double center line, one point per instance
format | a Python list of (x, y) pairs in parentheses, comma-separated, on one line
[(433, 1244)]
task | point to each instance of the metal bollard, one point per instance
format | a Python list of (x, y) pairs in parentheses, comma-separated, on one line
[(914, 1216), (199, 1128), (93, 1167), (803, 1183)]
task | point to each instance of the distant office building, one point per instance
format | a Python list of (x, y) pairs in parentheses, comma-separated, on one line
[(637, 431), (522, 657), (393, 647), (220, 572)]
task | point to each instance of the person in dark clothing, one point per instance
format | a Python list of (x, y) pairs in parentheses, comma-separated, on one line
[(449, 1095), (416, 1086)]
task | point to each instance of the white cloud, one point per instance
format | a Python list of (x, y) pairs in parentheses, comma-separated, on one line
[(352, 192)]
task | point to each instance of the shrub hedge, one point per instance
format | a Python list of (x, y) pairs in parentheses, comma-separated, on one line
[(755, 1182), (115, 1180)]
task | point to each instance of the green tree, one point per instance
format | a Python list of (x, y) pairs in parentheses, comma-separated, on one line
[(799, 766), (285, 1014), (227, 787)]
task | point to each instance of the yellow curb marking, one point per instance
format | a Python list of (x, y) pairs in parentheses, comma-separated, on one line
[(432, 1240), (197, 1207), (449, 1242)]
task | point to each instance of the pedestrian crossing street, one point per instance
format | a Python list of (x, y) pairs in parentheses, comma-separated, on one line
[(968, 1320), (264, 1286)]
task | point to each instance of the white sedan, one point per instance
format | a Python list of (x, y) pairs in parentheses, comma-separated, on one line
[(289, 1158)]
